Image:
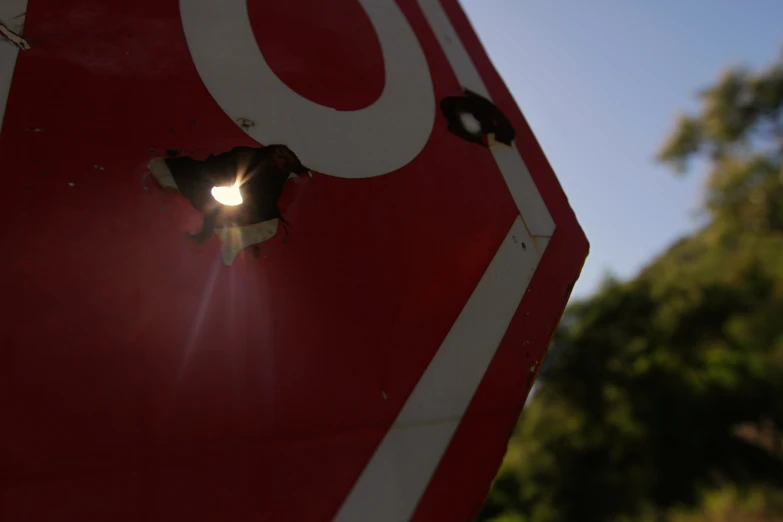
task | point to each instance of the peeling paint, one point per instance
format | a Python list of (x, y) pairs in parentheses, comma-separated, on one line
[(14, 38), (236, 239), (161, 173)]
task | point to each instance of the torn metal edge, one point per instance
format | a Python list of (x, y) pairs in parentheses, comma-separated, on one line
[(234, 238)]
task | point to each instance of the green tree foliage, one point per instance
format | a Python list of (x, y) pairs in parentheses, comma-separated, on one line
[(663, 395), (740, 130)]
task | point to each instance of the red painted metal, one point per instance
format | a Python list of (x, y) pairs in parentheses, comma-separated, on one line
[(141, 379)]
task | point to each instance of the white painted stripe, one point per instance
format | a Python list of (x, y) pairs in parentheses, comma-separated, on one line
[(454, 374), (523, 189), (397, 475), (395, 479), (11, 16), (526, 196), (456, 54)]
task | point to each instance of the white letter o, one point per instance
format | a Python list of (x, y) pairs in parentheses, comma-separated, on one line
[(372, 141)]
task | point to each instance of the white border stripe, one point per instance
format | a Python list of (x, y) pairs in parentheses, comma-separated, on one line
[(448, 384), (524, 191), (10, 11), (397, 475)]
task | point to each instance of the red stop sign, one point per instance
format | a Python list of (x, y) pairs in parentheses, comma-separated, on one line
[(370, 365)]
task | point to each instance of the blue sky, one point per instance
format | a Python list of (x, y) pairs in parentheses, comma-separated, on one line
[(600, 82)]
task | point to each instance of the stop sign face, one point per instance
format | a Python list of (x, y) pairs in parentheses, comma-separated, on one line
[(367, 364)]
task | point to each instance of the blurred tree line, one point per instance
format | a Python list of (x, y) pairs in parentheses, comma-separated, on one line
[(662, 397)]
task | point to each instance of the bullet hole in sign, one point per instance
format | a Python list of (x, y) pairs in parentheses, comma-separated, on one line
[(475, 119)]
